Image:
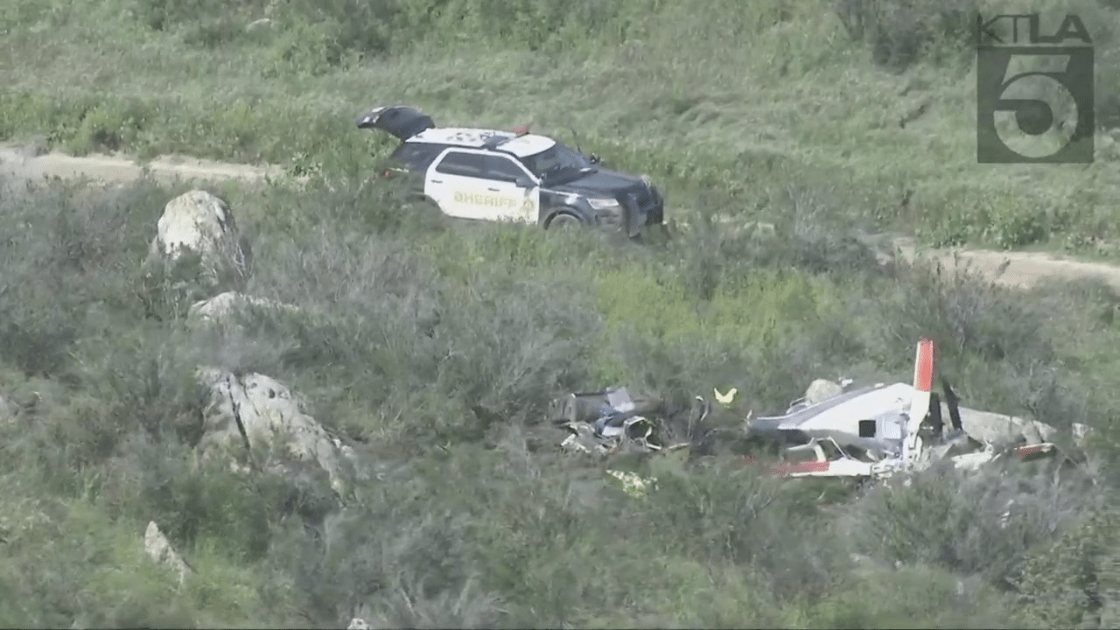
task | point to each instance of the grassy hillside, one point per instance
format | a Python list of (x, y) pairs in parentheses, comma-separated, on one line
[(478, 520), (738, 102), (435, 349)]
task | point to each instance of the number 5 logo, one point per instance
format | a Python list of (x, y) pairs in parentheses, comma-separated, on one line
[(1032, 103), (1035, 105)]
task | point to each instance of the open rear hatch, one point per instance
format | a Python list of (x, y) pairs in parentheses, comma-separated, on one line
[(399, 121)]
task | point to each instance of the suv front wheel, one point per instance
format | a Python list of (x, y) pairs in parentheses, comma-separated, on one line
[(564, 221)]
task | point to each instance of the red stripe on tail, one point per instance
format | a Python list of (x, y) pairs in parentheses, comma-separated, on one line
[(923, 366)]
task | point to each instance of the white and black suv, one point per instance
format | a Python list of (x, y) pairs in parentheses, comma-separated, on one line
[(491, 175)]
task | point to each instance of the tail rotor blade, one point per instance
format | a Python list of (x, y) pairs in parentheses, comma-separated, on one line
[(953, 403), (935, 420)]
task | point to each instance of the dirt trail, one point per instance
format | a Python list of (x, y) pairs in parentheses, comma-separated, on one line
[(1023, 269), (25, 164)]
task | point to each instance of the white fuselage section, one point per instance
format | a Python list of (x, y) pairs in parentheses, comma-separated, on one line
[(875, 420)]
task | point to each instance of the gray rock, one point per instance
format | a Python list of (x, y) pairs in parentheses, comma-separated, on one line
[(255, 414), (202, 224), (159, 549), (821, 390), (221, 307)]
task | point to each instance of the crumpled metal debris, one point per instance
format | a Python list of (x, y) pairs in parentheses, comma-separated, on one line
[(607, 422)]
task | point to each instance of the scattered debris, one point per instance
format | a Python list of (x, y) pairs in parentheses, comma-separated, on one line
[(836, 430), (160, 550), (357, 623), (727, 399), (1081, 433), (608, 422), (257, 26)]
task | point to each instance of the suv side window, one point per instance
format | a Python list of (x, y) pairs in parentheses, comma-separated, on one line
[(417, 155), (503, 169), (462, 164)]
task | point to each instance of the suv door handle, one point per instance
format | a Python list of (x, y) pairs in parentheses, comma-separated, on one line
[(493, 189), (436, 181)]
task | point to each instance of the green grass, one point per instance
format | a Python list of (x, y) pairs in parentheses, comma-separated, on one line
[(435, 349), (736, 102), (482, 523)]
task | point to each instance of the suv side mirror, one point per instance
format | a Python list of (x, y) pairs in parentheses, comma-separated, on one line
[(524, 182), (594, 158)]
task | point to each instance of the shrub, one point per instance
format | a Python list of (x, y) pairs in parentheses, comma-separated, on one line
[(970, 523), (902, 32)]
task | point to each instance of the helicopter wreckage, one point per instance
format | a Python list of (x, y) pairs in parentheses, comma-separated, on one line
[(870, 432)]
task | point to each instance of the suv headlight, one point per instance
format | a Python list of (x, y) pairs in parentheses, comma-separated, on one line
[(604, 204)]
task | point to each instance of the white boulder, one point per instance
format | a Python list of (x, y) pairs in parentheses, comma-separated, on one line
[(201, 223), (256, 413), (220, 307), (159, 549), (821, 390)]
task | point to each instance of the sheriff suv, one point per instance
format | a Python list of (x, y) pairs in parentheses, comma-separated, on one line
[(490, 175)]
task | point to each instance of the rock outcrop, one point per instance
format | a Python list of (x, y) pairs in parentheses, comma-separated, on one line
[(821, 390), (221, 307), (257, 415), (159, 549), (198, 243)]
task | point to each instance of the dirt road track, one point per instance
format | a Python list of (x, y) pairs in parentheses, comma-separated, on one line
[(24, 164), (1023, 268)]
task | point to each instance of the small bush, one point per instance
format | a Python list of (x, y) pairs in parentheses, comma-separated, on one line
[(970, 523), (902, 32), (1072, 582)]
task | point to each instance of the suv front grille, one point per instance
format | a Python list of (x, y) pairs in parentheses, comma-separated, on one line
[(646, 203)]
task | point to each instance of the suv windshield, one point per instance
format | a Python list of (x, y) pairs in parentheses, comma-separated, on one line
[(555, 160)]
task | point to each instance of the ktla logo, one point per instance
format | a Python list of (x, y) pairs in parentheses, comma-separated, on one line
[(1035, 96)]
